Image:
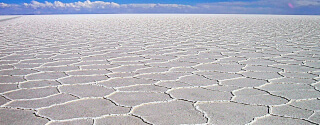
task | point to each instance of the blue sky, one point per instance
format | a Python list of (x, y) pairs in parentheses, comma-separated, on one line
[(189, 2), (287, 7)]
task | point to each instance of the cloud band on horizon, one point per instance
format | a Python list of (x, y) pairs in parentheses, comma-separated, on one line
[(97, 7)]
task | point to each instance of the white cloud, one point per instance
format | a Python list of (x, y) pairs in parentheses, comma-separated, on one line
[(35, 4), (99, 6), (4, 5), (300, 3), (138, 5), (77, 5), (58, 4)]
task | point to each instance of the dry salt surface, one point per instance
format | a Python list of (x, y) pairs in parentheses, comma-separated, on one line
[(159, 69)]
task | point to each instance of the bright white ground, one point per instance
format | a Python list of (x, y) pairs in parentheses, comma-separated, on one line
[(160, 69)]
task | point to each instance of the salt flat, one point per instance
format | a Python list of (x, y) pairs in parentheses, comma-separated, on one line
[(160, 69)]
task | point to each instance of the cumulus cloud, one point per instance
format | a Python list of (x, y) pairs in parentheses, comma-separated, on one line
[(79, 4), (102, 7), (4, 5), (250, 7)]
